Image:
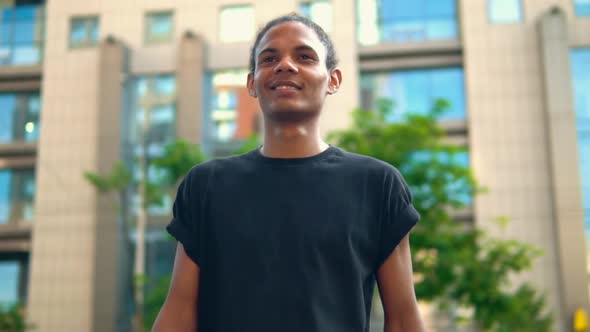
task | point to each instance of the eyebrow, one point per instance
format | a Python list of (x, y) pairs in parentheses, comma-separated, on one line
[(298, 48)]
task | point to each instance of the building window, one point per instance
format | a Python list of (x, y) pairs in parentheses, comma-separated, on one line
[(236, 24), (84, 31), (319, 11), (22, 30), (415, 91), (233, 114), (505, 11), (159, 28), (19, 117), (582, 7), (17, 193), (459, 191), (580, 59), (9, 282), (406, 21), (153, 101)]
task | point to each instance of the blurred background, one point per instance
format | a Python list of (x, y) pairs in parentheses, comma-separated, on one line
[(104, 104)]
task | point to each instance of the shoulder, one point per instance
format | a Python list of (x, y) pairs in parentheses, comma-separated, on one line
[(369, 164), (204, 171)]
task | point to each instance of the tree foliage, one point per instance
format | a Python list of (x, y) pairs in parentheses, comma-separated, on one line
[(455, 263)]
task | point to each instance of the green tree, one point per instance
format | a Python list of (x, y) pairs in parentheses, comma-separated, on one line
[(13, 319), (175, 162), (455, 264)]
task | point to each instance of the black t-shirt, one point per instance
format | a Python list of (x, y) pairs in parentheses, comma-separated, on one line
[(290, 244)]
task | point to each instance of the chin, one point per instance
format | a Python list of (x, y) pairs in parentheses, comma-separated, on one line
[(289, 114)]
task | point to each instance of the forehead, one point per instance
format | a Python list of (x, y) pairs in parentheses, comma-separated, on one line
[(290, 35)]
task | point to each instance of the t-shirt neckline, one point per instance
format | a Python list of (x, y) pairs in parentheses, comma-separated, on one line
[(258, 156)]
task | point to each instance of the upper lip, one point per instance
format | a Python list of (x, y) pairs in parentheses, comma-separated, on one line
[(287, 83)]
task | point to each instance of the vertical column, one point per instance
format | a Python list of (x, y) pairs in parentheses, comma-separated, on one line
[(110, 251), (189, 78), (565, 172)]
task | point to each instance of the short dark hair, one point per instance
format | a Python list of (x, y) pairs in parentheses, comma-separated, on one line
[(331, 59)]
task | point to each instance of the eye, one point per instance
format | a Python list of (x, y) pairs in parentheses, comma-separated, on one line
[(305, 57), (268, 58)]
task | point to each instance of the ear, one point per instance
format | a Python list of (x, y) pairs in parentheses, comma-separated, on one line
[(335, 81), (250, 85)]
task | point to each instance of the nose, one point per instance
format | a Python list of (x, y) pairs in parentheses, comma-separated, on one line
[(286, 64)]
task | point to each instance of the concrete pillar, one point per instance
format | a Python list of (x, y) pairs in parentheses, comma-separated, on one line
[(189, 78), (564, 161)]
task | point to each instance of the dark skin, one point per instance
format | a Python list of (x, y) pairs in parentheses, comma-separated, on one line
[(291, 82)]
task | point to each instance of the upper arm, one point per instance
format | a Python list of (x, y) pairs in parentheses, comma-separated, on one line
[(396, 287), (179, 312)]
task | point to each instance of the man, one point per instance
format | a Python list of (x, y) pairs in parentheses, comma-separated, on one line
[(291, 236)]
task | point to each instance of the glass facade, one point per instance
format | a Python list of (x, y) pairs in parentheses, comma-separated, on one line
[(229, 17), (17, 195), (22, 31), (582, 7), (580, 59), (406, 21), (154, 96), (19, 117), (9, 282), (414, 91), (233, 113), (159, 27), (505, 11), (84, 31), (319, 11)]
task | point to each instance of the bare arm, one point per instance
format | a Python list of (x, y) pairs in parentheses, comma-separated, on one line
[(179, 312), (396, 287)]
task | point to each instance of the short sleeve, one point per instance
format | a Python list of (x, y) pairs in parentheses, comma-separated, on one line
[(398, 215), (184, 226)]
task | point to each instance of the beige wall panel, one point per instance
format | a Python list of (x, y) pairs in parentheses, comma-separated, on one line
[(508, 137)]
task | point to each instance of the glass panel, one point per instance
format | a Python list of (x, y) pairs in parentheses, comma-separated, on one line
[(78, 33), (154, 93), (93, 30), (233, 116), (228, 18), (32, 119), (5, 33), (415, 91), (406, 21), (580, 59), (24, 33), (26, 55), (505, 11), (9, 282), (441, 29), (27, 195), (318, 11), (159, 27), (165, 86), (7, 114), (582, 7), (5, 195), (25, 13)]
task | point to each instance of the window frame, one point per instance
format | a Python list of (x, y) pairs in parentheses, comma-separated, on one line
[(220, 22), (88, 42), (148, 39), (311, 2)]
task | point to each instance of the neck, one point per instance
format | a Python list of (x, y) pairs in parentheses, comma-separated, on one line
[(292, 140)]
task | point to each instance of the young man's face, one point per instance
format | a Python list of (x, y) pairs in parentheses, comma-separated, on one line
[(291, 79)]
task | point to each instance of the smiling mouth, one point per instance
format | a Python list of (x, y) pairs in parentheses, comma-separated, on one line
[(285, 88)]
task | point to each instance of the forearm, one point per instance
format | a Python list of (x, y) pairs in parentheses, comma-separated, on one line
[(410, 322), (175, 319)]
